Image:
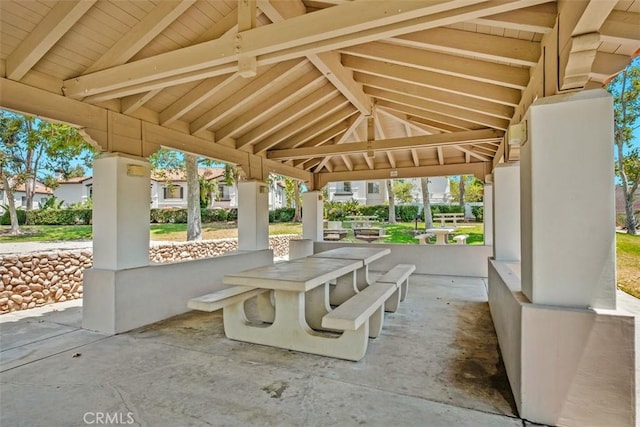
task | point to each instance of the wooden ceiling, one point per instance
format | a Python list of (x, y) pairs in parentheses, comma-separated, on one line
[(322, 91)]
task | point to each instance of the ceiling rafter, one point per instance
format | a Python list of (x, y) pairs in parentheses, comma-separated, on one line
[(382, 136), (435, 95), (535, 19), (328, 63), (49, 30), (324, 30), (328, 108), (273, 76), (356, 121), (450, 65), (484, 46), (458, 85), (472, 153), (307, 83), (289, 114), (442, 121), (456, 138), (440, 109)]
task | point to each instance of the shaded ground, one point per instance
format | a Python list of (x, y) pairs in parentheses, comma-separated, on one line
[(434, 364)]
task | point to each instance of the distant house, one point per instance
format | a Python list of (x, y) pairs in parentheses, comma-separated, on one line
[(169, 190), (375, 192), (42, 194)]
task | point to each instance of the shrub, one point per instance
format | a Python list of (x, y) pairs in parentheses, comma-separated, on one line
[(59, 217), (232, 215), (478, 212), (406, 213), (5, 219), (282, 215), (169, 216)]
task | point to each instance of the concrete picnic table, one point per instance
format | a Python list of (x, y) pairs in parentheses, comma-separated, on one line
[(441, 234), (347, 286), (301, 294)]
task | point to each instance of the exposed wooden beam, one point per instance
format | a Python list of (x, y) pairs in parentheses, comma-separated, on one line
[(441, 121), (327, 62), (50, 29), (405, 119), (131, 103), (455, 138), (307, 83), (450, 65), (356, 121), (535, 19), (247, 63), (621, 27), (435, 95), (162, 15), (440, 155), (347, 162), (444, 110), (196, 96), (471, 153), (290, 114), (275, 75), (483, 46), (328, 108), (325, 30), (327, 122), (579, 38), (329, 134), (478, 169), (458, 85)]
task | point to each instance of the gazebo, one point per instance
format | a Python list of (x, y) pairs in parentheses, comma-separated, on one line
[(332, 90)]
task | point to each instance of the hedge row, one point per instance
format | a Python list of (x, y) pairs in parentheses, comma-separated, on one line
[(337, 211), (50, 217)]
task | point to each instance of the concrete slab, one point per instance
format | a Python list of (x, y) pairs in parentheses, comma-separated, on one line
[(435, 363)]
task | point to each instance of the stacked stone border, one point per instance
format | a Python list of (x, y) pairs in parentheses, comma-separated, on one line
[(35, 279)]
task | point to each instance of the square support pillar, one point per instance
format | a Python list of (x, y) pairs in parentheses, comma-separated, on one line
[(506, 212), (312, 209), (253, 216), (567, 201), (121, 207), (487, 214)]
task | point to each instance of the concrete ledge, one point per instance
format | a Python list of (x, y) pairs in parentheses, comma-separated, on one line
[(117, 301), (446, 260), (566, 366)]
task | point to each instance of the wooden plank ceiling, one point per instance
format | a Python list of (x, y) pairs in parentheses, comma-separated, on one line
[(340, 89)]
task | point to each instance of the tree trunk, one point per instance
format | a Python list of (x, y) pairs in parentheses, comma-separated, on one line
[(15, 227), (462, 189), (194, 220), (297, 217), (627, 195), (392, 202), (428, 218)]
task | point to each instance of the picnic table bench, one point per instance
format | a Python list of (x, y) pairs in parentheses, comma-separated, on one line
[(454, 216)]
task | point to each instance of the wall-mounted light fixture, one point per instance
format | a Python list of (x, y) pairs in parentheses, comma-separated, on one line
[(136, 170), (517, 134)]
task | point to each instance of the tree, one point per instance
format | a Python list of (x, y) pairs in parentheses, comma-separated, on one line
[(428, 218), (625, 89), (403, 191), (392, 202), (461, 191), (473, 189), (194, 217), (292, 189), (30, 147)]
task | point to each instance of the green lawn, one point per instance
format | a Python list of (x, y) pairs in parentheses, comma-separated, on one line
[(628, 247)]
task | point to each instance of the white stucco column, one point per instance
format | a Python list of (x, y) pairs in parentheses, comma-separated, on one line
[(506, 212), (253, 216), (487, 201), (121, 205), (568, 223), (312, 215)]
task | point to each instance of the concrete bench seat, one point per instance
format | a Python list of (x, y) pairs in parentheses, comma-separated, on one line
[(224, 297), (398, 276), (365, 306), (461, 239)]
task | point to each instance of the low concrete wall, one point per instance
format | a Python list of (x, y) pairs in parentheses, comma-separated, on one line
[(448, 260), (118, 301), (566, 366), (35, 279)]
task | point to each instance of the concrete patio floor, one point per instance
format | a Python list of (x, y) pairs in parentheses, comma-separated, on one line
[(436, 363)]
